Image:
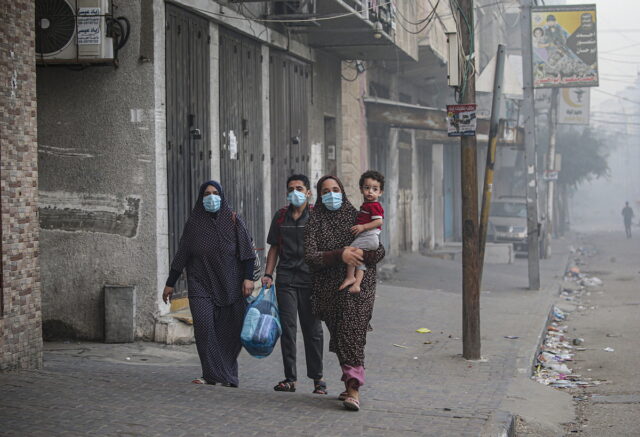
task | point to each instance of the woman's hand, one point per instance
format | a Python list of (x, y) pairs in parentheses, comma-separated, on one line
[(266, 281), (166, 294), (357, 229), (352, 256), (247, 288)]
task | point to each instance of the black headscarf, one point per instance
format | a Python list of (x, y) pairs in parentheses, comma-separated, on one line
[(335, 225), (212, 249)]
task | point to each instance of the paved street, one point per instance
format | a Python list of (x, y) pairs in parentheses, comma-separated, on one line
[(607, 317), (423, 387)]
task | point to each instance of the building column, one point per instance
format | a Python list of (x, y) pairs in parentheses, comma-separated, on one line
[(214, 98), (417, 184), (437, 195), (20, 298), (160, 128), (266, 140), (392, 180)]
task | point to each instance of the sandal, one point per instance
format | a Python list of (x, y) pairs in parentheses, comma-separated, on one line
[(288, 386), (320, 387), (202, 381), (342, 396), (351, 403)]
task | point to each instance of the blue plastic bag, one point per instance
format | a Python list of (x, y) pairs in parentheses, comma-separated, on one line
[(261, 328)]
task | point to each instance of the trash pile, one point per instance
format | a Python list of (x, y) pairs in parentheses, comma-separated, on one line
[(582, 279), (557, 351), (556, 354)]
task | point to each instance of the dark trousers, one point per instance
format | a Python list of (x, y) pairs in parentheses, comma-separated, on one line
[(217, 332), (294, 301)]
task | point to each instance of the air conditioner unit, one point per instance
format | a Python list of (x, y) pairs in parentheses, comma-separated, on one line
[(73, 31), (294, 7)]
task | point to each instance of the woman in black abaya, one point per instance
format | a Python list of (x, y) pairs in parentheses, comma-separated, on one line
[(217, 251)]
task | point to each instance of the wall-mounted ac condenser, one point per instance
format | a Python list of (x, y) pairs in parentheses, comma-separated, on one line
[(73, 31)]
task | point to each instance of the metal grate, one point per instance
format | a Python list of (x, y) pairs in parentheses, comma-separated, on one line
[(188, 151), (241, 154)]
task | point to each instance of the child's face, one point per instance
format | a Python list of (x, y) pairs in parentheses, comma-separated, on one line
[(371, 190)]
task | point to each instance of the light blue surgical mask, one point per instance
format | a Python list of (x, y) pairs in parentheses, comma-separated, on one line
[(212, 202), (296, 198), (332, 201)]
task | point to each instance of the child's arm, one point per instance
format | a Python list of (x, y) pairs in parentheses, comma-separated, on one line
[(358, 229)]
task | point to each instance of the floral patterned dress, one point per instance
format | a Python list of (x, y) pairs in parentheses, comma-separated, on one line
[(346, 315)]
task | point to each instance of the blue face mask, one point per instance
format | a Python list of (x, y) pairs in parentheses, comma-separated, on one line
[(296, 198), (212, 202), (332, 201)]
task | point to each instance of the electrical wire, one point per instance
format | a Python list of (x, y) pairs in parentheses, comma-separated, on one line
[(616, 96), (607, 52), (428, 19), (465, 59), (619, 61), (350, 80)]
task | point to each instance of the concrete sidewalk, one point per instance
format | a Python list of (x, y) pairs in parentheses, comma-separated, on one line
[(423, 387)]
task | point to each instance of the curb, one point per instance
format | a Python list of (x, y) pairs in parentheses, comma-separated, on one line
[(543, 333), (500, 424), (541, 336)]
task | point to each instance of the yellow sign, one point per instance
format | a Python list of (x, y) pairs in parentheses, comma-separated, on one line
[(564, 46)]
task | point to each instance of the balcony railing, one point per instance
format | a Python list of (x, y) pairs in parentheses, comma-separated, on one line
[(350, 29)]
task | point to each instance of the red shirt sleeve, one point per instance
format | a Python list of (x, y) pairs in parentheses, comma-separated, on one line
[(376, 210)]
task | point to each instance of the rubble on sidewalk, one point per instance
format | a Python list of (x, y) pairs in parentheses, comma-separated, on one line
[(556, 354), (557, 351)]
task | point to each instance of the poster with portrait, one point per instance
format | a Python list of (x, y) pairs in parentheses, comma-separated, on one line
[(462, 120), (564, 46)]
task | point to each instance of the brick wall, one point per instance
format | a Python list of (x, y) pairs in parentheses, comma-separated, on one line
[(20, 316)]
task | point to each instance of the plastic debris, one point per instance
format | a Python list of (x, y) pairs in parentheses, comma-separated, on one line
[(399, 345), (591, 282), (558, 313), (608, 349), (556, 354), (511, 337), (423, 330)]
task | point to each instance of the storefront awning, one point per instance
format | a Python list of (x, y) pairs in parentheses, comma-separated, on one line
[(410, 116)]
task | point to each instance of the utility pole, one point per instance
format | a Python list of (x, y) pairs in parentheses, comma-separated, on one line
[(469, 173), (530, 147), (487, 191), (551, 167)]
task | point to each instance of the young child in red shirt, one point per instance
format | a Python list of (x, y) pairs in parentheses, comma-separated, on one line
[(368, 225)]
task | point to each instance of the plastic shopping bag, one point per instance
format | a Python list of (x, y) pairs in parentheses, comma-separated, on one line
[(261, 328)]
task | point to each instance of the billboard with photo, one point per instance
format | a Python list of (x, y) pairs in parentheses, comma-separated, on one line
[(564, 46)]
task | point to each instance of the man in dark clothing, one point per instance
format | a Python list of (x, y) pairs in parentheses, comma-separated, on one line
[(293, 284), (627, 214)]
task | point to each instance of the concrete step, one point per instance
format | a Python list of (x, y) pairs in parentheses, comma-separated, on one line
[(495, 253), (175, 328)]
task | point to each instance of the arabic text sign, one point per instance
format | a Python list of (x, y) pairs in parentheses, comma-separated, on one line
[(564, 46), (89, 26), (461, 120), (573, 106)]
